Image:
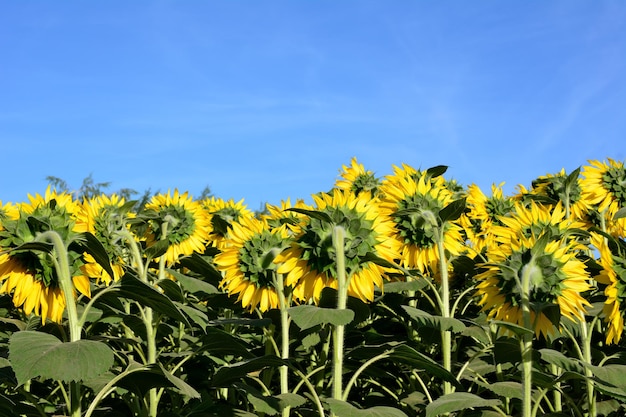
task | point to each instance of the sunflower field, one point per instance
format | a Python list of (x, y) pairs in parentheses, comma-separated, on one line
[(397, 296)]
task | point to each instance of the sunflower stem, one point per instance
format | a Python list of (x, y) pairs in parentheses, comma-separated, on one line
[(62, 266), (342, 300), (284, 328), (446, 335), (586, 339), (526, 341)]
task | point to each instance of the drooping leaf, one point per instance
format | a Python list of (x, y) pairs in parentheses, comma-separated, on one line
[(225, 375), (557, 358), (191, 284), (452, 211), (436, 171), (620, 213), (306, 316), (435, 322), (133, 288), (408, 355), (457, 401), (37, 354), (87, 242), (343, 409), (507, 389), (319, 215), (610, 379)]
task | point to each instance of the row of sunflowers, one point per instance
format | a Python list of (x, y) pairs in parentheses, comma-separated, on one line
[(427, 297)]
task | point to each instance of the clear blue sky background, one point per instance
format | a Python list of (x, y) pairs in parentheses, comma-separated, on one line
[(265, 100)]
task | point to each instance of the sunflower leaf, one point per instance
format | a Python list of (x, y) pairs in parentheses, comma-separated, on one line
[(36, 354), (457, 401), (87, 242), (227, 374), (306, 316), (321, 216), (435, 322), (620, 213), (452, 211), (133, 288), (436, 171), (343, 409)]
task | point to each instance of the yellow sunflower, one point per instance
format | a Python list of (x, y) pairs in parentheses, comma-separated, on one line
[(604, 183), (310, 262), (565, 188), (223, 214), (282, 216), (412, 205), (356, 179), (104, 216), (613, 275), (188, 224), (247, 262), (30, 275), (482, 214), (533, 241)]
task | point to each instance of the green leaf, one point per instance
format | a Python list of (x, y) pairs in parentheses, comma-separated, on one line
[(200, 265), (225, 375), (217, 341), (435, 322), (557, 358), (507, 389), (457, 401), (514, 328), (198, 317), (404, 286), (307, 316), (182, 387), (610, 379), (436, 171), (319, 215), (408, 355), (343, 409), (193, 285), (90, 244), (133, 288), (157, 249), (36, 354), (452, 211)]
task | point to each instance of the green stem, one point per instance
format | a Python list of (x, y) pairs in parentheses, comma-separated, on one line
[(591, 394), (284, 328), (62, 266), (342, 300), (446, 335), (526, 342)]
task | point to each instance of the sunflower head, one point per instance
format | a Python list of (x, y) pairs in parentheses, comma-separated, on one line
[(356, 179), (311, 262), (29, 272), (284, 216), (612, 260), (556, 280), (223, 214), (413, 204), (179, 221), (482, 214), (604, 183), (247, 262)]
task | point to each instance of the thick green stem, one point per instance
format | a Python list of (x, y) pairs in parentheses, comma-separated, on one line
[(342, 300), (591, 394), (446, 335), (61, 262), (526, 341), (284, 328)]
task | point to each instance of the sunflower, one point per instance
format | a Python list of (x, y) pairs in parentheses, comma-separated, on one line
[(356, 179), (310, 262), (223, 214), (30, 275), (613, 275), (188, 224), (482, 214), (104, 216), (247, 262), (534, 241), (412, 203), (604, 184), (284, 217), (563, 187)]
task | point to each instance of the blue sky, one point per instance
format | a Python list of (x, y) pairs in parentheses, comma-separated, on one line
[(266, 100)]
